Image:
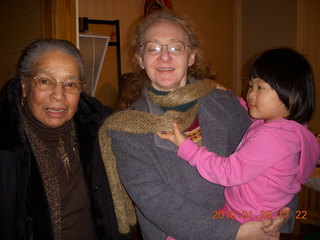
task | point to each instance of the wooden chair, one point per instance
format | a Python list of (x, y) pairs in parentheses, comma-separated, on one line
[(308, 211)]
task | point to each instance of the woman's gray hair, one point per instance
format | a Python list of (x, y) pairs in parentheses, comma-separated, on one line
[(38, 47)]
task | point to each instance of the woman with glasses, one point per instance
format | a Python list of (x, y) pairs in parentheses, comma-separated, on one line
[(53, 183), (173, 84)]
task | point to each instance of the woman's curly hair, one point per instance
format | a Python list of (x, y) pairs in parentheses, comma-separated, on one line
[(133, 83)]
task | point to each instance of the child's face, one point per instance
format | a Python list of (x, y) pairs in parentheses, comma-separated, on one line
[(263, 101)]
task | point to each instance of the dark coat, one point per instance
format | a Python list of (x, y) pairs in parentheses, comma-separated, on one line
[(24, 212)]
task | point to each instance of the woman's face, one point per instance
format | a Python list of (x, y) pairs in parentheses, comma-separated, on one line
[(166, 69), (56, 106)]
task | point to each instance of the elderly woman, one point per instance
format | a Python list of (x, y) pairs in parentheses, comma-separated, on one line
[(53, 183), (171, 85)]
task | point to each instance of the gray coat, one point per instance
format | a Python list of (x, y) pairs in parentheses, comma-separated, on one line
[(171, 197)]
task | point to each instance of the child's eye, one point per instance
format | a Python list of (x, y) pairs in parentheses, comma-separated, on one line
[(260, 87)]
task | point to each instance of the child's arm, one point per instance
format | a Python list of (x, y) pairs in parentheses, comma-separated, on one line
[(248, 162)]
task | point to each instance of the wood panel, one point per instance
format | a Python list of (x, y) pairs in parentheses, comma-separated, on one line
[(308, 211), (24, 21), (214, 23), (20, 22), (308, 39), (59, 19), (266, 24)]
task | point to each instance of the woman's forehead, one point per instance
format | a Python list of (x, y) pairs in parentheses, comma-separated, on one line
[(165, 28), (53, 57), (54, 62)]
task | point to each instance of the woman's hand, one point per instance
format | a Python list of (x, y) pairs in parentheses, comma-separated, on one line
[(175, 136), (278, 221), (253, 230), (264, 230)]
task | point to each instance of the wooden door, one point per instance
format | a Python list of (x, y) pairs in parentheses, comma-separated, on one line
[(24, 21)]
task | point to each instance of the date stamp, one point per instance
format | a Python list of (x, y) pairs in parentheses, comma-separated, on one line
[(263, 215)]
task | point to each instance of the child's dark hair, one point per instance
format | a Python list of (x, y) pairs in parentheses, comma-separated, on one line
[(290, 75)]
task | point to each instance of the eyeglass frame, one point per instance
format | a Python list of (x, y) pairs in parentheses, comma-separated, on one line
[(63, 83), (143, 45)]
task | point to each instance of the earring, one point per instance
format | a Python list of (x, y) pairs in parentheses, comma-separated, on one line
[(22, 99)]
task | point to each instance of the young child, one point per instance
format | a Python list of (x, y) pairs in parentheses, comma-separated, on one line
[(277, 153)]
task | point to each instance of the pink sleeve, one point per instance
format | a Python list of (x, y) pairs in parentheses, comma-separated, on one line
[(170, 238), (251, 159), (242, 102)]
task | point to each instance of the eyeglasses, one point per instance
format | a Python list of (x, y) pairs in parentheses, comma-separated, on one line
[(46, 83), (155, 48)]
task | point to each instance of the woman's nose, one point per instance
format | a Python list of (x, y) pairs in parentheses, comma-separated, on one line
[(164, 54), (58, 92)]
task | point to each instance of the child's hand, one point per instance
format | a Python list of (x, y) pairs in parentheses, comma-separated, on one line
[(176, 137)]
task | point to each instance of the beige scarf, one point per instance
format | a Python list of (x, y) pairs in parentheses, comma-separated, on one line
[(132, 121)]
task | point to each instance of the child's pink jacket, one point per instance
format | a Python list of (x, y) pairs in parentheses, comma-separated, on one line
[(264, 172)]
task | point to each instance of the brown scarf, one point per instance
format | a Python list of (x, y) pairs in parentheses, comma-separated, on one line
[(132, 121), (43, 141)]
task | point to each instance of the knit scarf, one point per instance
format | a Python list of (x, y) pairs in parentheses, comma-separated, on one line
[(44, 142), (133, 121)]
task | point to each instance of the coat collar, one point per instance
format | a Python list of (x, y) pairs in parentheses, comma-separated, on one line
[(12, 136)]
